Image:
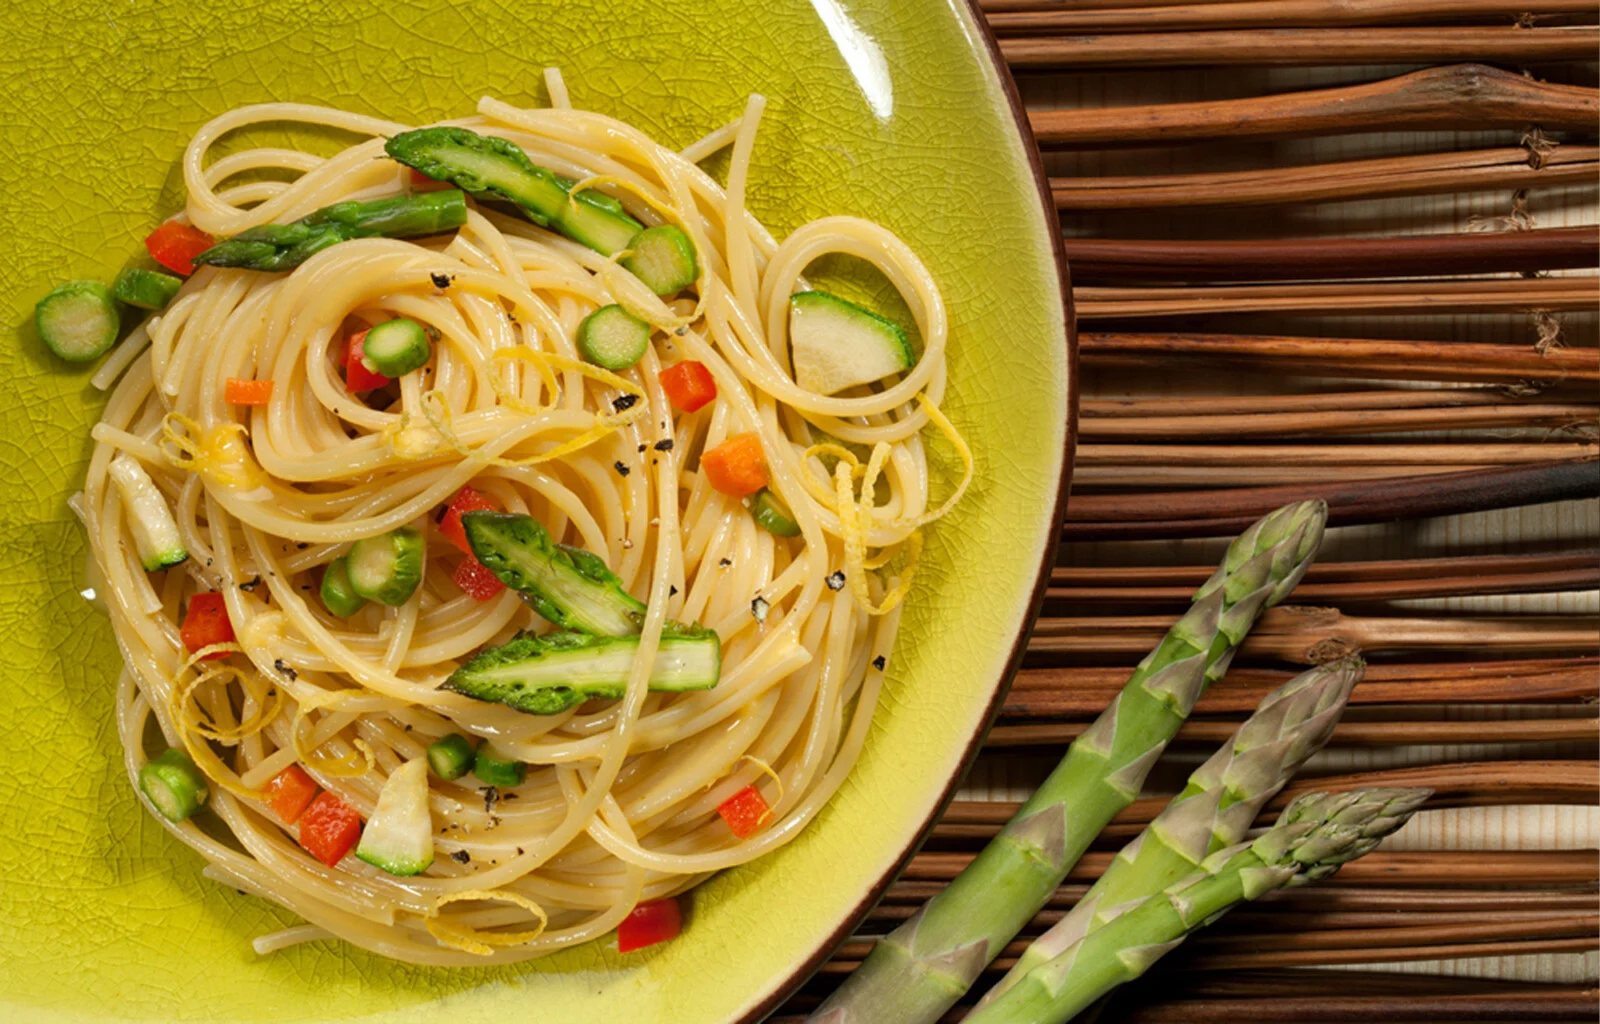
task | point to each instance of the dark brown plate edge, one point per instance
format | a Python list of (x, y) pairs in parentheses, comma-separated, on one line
[(803, 971)]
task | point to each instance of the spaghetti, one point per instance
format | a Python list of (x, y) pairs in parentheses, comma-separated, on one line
[(619, 803)]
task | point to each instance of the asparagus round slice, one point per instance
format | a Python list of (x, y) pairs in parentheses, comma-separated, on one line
[(1215, 808), (920, 969), (1316, 834)]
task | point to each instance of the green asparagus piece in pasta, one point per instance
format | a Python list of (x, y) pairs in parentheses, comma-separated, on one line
[(1316, 834), (275, 247), (568, 586), (495, 168), (1215, 809), (544, 675), (921, 968)]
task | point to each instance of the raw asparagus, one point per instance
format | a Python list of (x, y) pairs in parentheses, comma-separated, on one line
[(1215, 809), (275, 247), (919, 971), (1315, 835)]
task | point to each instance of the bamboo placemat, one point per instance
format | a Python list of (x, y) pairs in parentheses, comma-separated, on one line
[(1483, 626)]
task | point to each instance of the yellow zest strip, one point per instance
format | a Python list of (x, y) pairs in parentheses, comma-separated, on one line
[(195, 730), (770, 772), (605, 423), (358, 762), (220, 454), (938, 418), (855, 521), (473, 940)]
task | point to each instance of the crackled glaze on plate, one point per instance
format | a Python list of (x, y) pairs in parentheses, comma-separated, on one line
[(893, 112)]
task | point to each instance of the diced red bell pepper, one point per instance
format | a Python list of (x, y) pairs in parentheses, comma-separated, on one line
[(290, 792), (357, 375), (689, 385), (422, 183), (476, 580), (175, 246), (466, 500), (736, 466), (648, 924), (206, 623), (238, 391), (745, 811), (329, 828)]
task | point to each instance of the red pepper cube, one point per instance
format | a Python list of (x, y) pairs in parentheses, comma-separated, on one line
[(466, 500), (329, 828), (689, 385), (357, 375), (648, 924), (745, 811), (238, 391), (206, 623), (290, 792), (476, 580), (175, 246)]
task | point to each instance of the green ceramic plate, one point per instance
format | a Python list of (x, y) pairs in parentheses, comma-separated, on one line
[(890, 111)]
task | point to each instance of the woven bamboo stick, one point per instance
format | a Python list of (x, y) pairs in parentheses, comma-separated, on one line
[(1456, 784), (1221, 513), (1081, 691), (1348, 733), (1263, 259), (1405, 869), (1039, 19), (1388, 297), (1341, 455), (1308, 635), (1432, 173), (1348, 357), (1300, 47), (1462, 96), (1295, 415)]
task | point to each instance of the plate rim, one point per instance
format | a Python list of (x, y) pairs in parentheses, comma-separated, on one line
[(986, 46)]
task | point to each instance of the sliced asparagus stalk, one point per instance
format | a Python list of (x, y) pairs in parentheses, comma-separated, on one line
[(1215, 809), (494, 168), (568, 586), (543, 675), (275, 247), (920, 969), (1315, 835)]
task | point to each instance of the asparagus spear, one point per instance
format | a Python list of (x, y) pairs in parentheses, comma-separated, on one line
[(276, 247), (1215, 809), (494, 168), (1318, 833), (920, 969)]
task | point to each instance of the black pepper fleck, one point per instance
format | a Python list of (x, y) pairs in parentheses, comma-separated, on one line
[(301, 546), (664, 445), (519, 851), (680, 332), (879, 662), (408, 727), (491, 796), (461, 857), (285, 671), (622, 468), (672, 591), (759, 608), (724, 562), (836, 581), (251, 584), (642, 447), (440, 280), (508, 796), (622, 403)]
